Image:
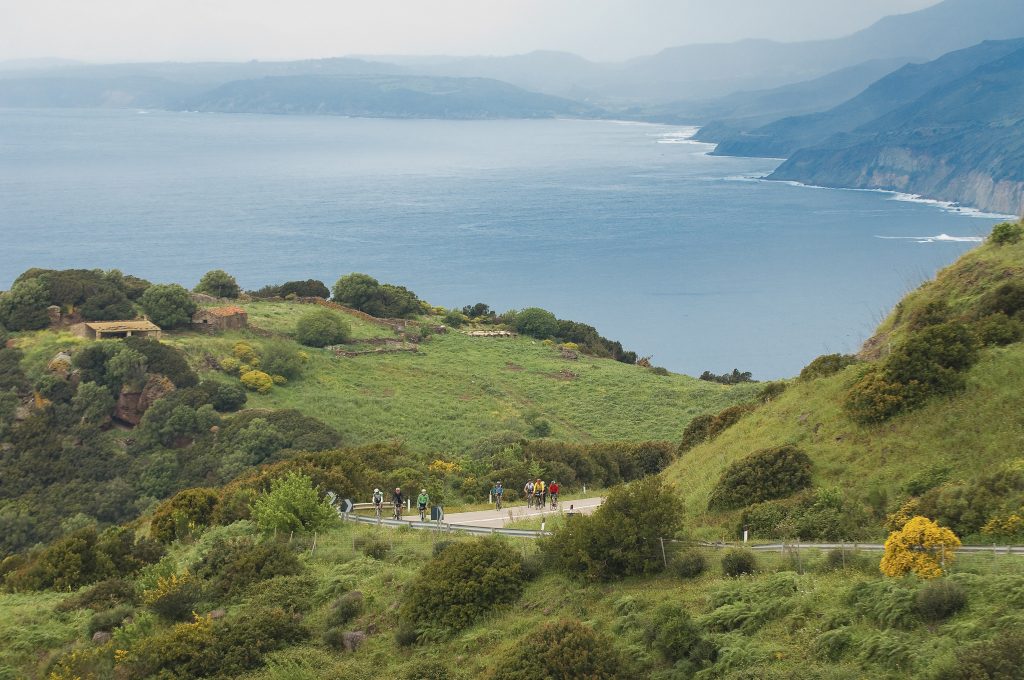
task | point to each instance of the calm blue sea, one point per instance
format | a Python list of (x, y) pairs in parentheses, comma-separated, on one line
[(629, 227)]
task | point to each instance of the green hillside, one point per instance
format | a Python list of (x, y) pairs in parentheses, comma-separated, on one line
[(942, 448)]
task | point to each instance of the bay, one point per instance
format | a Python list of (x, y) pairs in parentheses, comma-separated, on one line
[(632, 228)]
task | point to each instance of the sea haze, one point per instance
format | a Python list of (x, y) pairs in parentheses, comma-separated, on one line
[(629, 227)]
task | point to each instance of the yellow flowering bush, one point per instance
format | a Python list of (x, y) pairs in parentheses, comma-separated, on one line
[(245, 353), (921, 548), (257, 381)]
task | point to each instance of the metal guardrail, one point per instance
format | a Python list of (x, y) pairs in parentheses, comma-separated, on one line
[(445, 527), (875, 547)]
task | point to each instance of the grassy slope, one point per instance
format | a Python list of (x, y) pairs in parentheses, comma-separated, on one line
[(970, 433), (458, 390)]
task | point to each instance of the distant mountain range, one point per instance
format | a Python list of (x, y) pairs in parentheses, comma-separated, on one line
[(962, 140)]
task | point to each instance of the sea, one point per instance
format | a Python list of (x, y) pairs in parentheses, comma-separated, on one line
[(689, 258)]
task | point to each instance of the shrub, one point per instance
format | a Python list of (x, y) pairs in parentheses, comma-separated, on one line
[(921, 547), (230, 365), (1007, 299), (738, 561), (999, 659), (345, 609), (563, 650), (734, 378), (704, 428), (219, 284), (110, 619), (257, 381), (169, 306), (281, 359), (231, 565), (173, 597), (453, 589), (839, 559), (24, 306), (376, 548), (188, 511), (689, 564), (1006, 233), (107, 594), (622, 537), (536, 323), (875, 399), (307, 288), (320, 328), (998, 329), (939, 599), (832, 644), (826, 365), (167, 360), (771, 391), (764, 475), (673, 634), (888, 604), (534, 566), (293, 504), (228, 397)]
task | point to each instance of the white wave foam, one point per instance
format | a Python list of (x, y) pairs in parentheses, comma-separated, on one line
[(941, 238)]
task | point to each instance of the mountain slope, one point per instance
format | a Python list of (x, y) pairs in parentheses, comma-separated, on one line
[(954, 439), (962, 141), (784, 137)]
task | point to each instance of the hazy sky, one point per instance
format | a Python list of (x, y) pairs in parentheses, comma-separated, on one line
[(153, 30)]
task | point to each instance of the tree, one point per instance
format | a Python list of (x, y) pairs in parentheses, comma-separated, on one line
[(536, 322), (24, 307), (292, 504), (218, 283), (622, 537), (107, 304), (168, 305), (359, 291), (320, 328), (92, 404), (921, 547)]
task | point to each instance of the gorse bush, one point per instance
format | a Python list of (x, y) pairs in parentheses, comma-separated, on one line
[(823, 514), (764, 475), (231, 565), (738, 561), (826, 365), (939, 599), (345, 609), (186, 513), (921, 547), (689, 564), (174, 597), (258, 381), (704, 428), (459, 585), (563, 650), (622, 537), (321, 327)]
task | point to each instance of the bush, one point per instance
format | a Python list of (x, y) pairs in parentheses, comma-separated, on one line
[(673, 634), (368, 295), (455, 588), (921, 547), (999, 659), (188, 511), (219, 284), (1006, 233), (536, 323), (738, 561), (280, 358), (320, 328), (622, 537), (888, 604), (704, 428), (168, 306), (939, 599), (307, 288), (231, 565), (764, 475), (689, 564), (107, 594), (345, 609), (293, 504), (24, 306), (173, 597), (110, 619), (826, 365), (875, 399), (839, 559), (257, 381), (998, 329), (1007, 299), (734, 378), (563, 650), (227, 397)]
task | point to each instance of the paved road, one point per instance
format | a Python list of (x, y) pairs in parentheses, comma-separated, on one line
[(494, 518)]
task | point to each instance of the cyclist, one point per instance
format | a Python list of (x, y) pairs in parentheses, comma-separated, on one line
[(422, 501), (378, 502), (553, 490), (498, 491), (541, 493), (528, 492), (397, 499)]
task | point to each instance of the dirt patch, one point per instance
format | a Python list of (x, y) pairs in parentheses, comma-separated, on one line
[(564, 374), (509, 366), (466, 397)]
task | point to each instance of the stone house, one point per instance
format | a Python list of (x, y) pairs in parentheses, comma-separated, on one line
[(105, 330), (217, 319)]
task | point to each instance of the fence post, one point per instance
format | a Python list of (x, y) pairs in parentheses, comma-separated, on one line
[(664, 558), (313, 549)]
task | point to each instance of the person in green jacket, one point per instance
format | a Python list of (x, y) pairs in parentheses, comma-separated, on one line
[(423, 500)]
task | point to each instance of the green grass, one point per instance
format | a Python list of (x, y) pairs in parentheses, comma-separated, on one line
[(30, 629), (280, 317)]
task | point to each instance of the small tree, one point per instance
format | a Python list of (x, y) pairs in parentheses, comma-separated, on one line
[(23, 308), (168, 305), (359, 291), (921, 547), (292, 504), (218, 283), (320, 328), (93, 404)]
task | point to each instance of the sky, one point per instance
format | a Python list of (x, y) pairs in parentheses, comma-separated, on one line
[(603, 30)]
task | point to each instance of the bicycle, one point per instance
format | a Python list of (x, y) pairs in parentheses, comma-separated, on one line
[(497, 502), (378, 510), (554, 501), (398, 511), (423, 513)]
